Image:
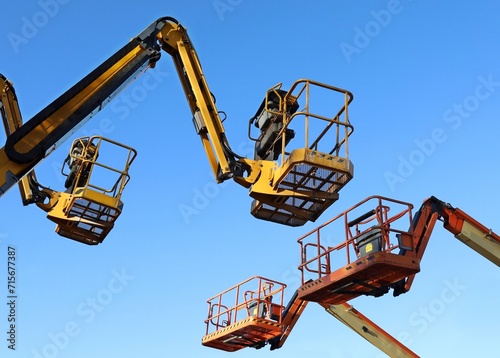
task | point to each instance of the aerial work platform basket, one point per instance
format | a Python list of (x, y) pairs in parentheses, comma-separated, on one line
[(305, 181), (375, 253), (245, 315), (87, 210)]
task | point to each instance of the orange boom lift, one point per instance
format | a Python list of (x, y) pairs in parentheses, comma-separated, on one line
[(373, 247)]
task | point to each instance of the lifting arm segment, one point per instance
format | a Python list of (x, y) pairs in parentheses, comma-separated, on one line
[(473, 234), (37, 138), (31, 192), (175, 41), (349, 316), (352, 318), (32, 142), (465, 228), (12, 120), (289, 318)]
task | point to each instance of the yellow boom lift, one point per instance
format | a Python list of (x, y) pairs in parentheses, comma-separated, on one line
[(373, 247), (288, 186)]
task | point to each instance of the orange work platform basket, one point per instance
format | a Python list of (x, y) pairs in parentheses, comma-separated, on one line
[(246, 315), (374, 255)]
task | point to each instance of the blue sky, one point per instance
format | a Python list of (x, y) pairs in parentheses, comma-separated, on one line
[(426, 88)]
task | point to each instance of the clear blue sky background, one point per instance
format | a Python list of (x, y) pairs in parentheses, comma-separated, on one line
[(415, 67)]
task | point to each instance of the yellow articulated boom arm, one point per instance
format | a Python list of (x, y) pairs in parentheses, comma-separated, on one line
[(12, 120), (290, 187)]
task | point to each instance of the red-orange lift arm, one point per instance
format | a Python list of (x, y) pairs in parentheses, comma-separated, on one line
[(289, 318), (465, 228)]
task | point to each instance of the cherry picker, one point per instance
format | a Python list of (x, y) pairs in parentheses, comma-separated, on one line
[(288, 186), (372, 248)]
